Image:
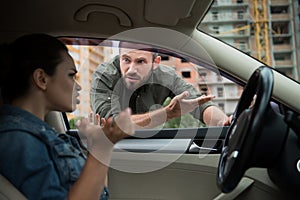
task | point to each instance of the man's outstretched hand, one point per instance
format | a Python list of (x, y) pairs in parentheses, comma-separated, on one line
[(179, 105)]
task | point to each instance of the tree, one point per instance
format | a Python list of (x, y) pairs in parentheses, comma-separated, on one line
[(73, 121)]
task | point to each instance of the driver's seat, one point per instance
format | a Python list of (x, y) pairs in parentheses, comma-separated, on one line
[(8, 190)]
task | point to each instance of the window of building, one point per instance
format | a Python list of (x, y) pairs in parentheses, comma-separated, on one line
[(164, 57), (282, 56), (241, 32), (203, 89), (215, 15), (280, 28), (220, 92), (242, 45), (240, 14), (279, 9), (186, 74), (281, 40), (216, 29), (241, 28)]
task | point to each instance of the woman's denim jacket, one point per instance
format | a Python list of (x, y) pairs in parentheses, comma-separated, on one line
[(39, 162)]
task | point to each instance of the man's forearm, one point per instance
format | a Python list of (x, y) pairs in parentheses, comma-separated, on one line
[(150, 119)]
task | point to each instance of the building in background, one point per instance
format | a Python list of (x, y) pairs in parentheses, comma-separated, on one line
[(266, 29), (207, 82), (87, 59)]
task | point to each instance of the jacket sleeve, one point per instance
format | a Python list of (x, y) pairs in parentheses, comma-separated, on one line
[(104, 80), (198, 112), (179, 85)]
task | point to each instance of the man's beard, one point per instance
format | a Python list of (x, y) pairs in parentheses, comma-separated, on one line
[(134, 86)]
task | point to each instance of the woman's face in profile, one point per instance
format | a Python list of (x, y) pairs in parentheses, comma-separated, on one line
[(63, 90)]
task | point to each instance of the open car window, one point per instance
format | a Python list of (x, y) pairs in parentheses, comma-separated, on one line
[(89, 54)]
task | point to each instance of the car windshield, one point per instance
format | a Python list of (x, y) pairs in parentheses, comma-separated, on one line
[(266, 30)]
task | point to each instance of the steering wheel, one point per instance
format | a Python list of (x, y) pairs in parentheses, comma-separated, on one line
[(245, 129)]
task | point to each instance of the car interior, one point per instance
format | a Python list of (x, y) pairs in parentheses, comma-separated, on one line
[(256, 157)]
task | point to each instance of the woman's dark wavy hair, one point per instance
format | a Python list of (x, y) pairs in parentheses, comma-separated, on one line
[(19, 59)]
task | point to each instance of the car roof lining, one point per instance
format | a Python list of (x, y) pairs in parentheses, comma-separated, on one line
[(116, 16)]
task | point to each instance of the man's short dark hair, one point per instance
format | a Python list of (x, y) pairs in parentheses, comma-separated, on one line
[(139, 46)]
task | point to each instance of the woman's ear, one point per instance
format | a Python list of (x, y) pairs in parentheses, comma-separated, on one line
[(40, 78)]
